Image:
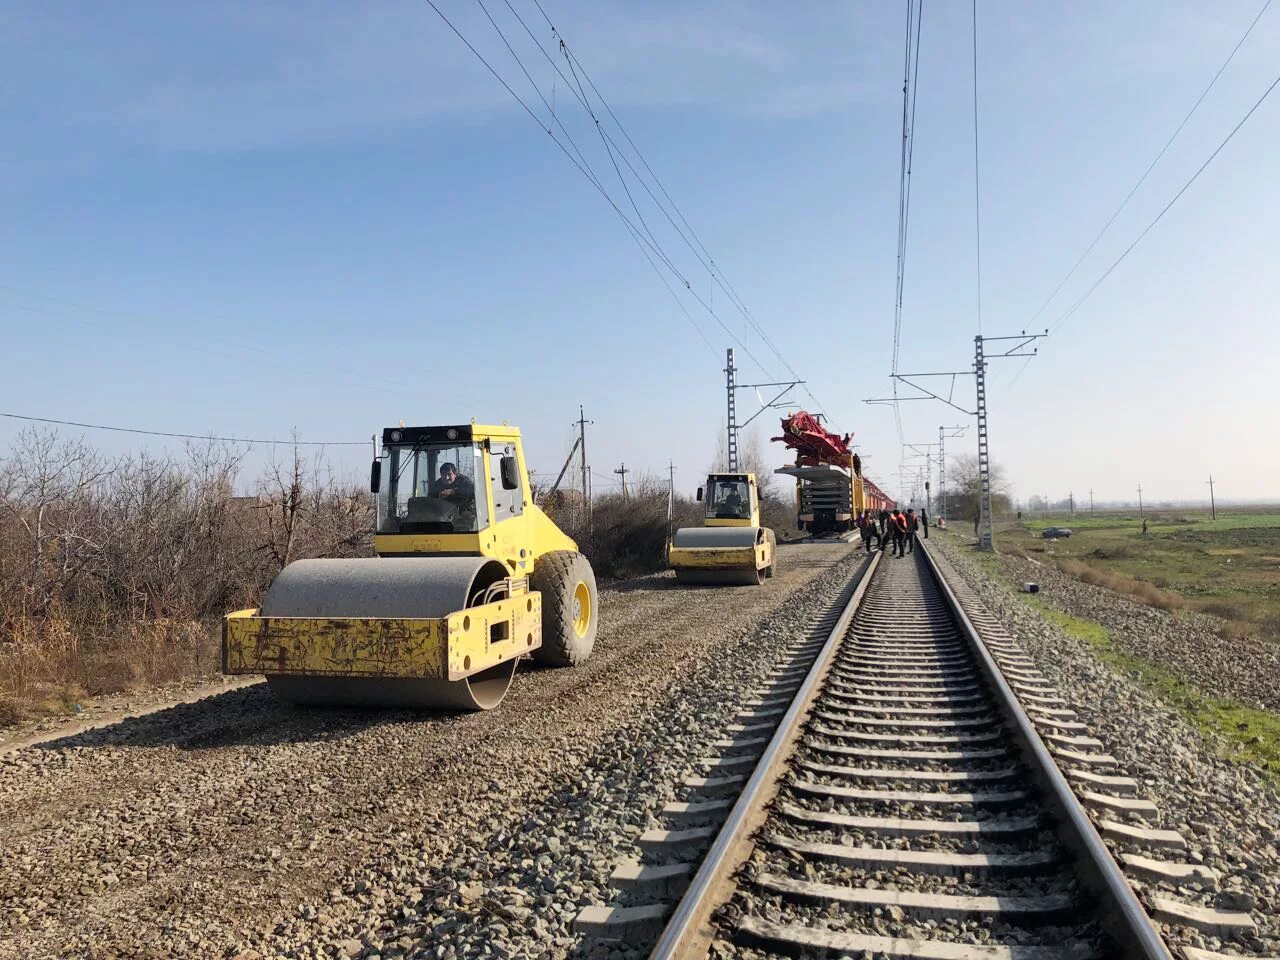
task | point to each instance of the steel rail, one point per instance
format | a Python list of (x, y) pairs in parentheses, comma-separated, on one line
[(1123, 917), (689, 933)]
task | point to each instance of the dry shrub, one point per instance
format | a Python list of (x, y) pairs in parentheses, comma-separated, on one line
[(1113, 551), (1231, 630), (1218, 608), (115, 571), (1140, 590)]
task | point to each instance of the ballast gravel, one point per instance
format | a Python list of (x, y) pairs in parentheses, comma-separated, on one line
[(236, 826), (1229, 813)]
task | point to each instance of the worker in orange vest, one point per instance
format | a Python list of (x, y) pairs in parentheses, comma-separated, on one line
[(898, 521)]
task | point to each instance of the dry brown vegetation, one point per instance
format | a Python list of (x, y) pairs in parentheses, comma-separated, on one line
[(115, 570), (1140, 590)]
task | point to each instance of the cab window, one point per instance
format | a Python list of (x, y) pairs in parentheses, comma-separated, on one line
[(729, 500), (432, 488)]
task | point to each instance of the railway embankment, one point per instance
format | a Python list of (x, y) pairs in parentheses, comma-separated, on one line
[(1179, 708)]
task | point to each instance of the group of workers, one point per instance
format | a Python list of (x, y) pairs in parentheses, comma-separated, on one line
[(892, 526)]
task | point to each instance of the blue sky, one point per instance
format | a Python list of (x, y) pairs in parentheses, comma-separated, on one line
[(255, 218)]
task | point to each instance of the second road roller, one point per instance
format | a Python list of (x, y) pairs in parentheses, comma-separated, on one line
[(469, 577), (731, 547)]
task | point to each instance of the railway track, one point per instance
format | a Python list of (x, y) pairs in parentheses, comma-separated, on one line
[(888, 796)]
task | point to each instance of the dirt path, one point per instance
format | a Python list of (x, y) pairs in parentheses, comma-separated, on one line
[(176, 832)]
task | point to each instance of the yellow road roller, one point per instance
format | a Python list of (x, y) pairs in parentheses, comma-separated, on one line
[(470, 576), (731, 547)]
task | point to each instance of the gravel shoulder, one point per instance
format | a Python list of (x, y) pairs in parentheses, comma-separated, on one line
[(236, 822), (1229, 812), (114, 708)]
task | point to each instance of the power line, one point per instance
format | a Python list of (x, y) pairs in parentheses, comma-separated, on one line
[(909, 76), (186, 436), (1142, 179), (977, 193), (594, 180), (590, 176), (691, 239), (1097, 283)]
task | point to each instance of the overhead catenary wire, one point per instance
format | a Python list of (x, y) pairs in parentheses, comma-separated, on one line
[(594, 180), (590, 176), (186, 436), (585, 165), (910, 75), (1177, 196), (1146, 173), (977, 179), (686, 232)]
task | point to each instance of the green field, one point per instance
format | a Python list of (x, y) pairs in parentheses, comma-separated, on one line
[(1229, 567)]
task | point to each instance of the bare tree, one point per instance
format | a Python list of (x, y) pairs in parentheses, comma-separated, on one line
[(751, 458), (964, 488)]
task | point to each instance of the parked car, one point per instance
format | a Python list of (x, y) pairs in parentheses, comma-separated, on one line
[(1053, 533)]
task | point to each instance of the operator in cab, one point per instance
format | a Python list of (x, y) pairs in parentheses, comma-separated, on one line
[(454, 487)]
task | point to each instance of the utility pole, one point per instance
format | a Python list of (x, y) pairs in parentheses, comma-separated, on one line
[(986, 521), (1139, 500), (986, 528), (986, 538), (942, 462), (1213, 507), (731, 390), (622, 471), (732, 386), (922, 449), (586, 474), (1071, 500), (1091, 501), (671, 498)]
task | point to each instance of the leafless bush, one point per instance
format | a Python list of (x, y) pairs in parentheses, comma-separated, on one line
[(113, 571), (1140, 590)]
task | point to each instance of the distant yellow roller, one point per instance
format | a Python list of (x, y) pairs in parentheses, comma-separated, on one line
[(732, 548), (470, 576)]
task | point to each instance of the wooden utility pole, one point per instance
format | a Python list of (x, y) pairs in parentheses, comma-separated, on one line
[(1213, 507), (586, 479), (622, 471), (1139, 499), (671, 498), (1091, 501)]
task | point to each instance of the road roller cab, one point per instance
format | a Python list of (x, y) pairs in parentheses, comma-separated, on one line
[(470, 576), (731, 547)]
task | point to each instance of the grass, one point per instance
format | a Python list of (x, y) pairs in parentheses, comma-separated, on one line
[(1228, 568), (1244, 734)]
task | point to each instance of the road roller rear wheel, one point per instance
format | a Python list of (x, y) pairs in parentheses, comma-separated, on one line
[(570, 608), (768, 571)]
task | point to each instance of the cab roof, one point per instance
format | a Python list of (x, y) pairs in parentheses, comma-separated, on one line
[(450, 433)]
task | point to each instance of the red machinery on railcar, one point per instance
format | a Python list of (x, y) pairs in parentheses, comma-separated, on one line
[(830, 488)]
